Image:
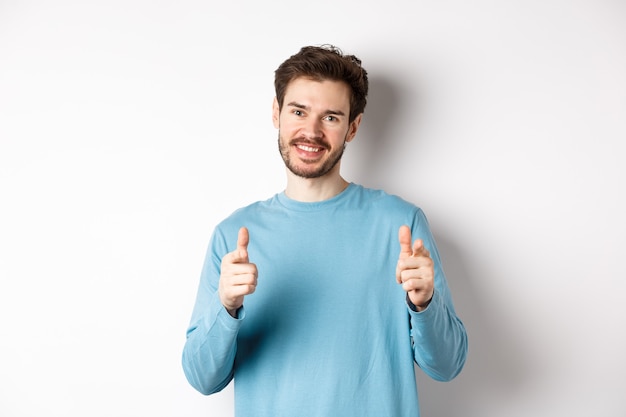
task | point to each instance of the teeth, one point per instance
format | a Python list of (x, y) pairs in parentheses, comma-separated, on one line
[(308, 148)]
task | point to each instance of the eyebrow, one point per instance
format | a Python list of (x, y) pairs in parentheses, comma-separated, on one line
[(307, 108)]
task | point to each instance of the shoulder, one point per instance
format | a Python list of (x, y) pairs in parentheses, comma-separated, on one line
[(243, 216), (381, 200), (225, 232)]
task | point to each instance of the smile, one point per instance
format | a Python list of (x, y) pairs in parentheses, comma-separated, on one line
[(308, 148)]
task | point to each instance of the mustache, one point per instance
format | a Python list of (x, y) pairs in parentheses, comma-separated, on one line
[(319, 143)]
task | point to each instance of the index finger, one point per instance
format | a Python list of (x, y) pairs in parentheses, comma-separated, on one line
[(419, 249)]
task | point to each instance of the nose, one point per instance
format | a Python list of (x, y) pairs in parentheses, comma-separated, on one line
[(312, 128)]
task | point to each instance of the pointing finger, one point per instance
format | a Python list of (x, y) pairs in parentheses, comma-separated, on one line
[(419, 249)]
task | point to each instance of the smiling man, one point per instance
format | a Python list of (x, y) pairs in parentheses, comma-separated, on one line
[(320, 300), (313, 135)]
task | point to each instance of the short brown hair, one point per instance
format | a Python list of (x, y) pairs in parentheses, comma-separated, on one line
[(325, 62)]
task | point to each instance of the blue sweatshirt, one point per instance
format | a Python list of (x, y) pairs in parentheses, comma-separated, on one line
[(328, 331)]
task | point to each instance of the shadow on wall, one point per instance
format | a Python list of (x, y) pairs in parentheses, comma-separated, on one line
[(374, 147), (496, 364)]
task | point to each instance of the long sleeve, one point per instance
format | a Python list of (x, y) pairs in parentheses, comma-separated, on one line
[(326, 331), (438, 335), (211, 344)]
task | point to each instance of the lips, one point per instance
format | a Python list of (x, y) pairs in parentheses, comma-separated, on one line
[(308, 148)]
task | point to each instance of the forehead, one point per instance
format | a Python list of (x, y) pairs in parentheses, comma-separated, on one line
[(314, 93)]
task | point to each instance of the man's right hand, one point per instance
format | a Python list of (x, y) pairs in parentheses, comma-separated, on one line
[(238, 277)]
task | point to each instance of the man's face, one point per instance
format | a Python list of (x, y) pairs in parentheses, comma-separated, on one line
[(313, 126)]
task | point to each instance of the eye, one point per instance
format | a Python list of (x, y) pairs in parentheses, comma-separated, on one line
[(331, 118), (298, 112)]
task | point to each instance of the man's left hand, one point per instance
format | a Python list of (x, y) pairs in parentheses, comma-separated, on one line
[(415, 269)]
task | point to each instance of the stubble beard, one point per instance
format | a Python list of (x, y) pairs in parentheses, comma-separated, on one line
[(327, 166)]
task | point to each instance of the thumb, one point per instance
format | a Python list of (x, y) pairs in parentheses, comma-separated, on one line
[(243, 238), (404, 237)]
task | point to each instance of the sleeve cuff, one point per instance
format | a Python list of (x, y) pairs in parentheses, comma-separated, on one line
[(413, 307)]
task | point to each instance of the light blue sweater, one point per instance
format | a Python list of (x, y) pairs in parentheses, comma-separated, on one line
[(328, 331)]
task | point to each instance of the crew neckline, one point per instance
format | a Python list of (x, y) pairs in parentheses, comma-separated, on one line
[(315, 205)]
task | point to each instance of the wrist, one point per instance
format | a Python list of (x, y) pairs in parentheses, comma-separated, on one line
[(418, 307), (233, 312)]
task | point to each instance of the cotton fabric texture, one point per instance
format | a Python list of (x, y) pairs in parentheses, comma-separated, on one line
[(328, 331)]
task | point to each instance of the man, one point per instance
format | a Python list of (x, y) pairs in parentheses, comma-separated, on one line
[(317, 301)]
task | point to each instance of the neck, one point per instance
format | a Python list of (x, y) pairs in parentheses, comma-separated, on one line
[(310, 190)]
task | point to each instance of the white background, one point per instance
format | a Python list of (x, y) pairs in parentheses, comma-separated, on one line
[(128, 129)]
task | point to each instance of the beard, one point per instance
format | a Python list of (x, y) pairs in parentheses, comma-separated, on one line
[(312, 170)]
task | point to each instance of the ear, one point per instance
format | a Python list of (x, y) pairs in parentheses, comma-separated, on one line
[(354, 126), (275, 113)]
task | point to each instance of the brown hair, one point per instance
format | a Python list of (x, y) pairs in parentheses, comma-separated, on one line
[(325, 62)]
